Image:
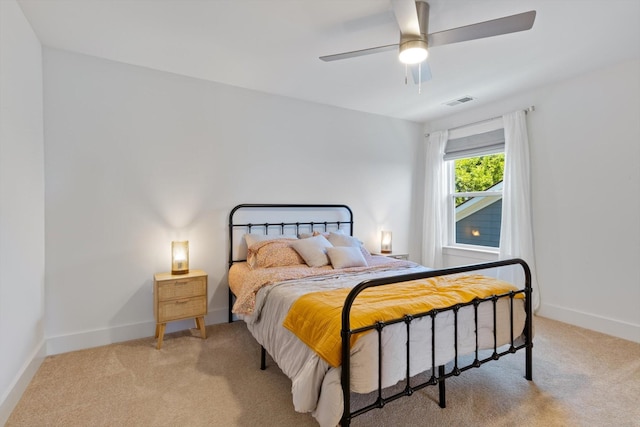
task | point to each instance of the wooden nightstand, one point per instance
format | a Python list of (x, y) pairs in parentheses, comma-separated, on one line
[(177, 297), (395, 255)]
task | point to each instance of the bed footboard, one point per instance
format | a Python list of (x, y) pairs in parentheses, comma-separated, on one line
[(439, 375)]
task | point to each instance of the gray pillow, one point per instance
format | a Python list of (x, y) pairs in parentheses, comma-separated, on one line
[(346, 256), (313, 250)]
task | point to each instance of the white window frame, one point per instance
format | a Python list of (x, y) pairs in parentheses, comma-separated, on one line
[(450, 165)]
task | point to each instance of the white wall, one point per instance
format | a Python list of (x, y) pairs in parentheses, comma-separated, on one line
[(585, 149), (136, 158), (21, 207)]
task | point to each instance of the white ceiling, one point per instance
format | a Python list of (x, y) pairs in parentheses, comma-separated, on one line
[(273, 46)]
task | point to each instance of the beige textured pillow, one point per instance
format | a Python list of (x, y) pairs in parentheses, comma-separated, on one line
[(252, 239), (346, 256), (273, 253)]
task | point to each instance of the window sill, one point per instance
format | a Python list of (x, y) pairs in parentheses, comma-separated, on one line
[(468, 251)]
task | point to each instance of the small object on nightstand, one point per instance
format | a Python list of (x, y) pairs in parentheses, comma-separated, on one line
[(177, 297), (180, 257), (385, 242)]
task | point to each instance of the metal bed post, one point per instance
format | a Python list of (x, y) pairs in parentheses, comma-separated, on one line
[(528, 326)]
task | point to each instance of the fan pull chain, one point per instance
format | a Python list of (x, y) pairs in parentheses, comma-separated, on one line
[(406, 71), (419, 78)]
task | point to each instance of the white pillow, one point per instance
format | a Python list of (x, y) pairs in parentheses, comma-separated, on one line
[(313, 250), (252, 239), (339, 239), (346, 256)]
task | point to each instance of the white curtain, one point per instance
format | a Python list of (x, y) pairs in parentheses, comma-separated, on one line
[(436, 203), (516, 234)]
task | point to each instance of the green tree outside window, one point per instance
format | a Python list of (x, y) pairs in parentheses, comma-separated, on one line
[(478, 174)]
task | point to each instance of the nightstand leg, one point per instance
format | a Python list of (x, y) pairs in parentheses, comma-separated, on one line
[(200, 325), (160, 334)]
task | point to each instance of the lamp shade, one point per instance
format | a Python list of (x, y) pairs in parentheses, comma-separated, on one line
[(385, 242), (180, 257)]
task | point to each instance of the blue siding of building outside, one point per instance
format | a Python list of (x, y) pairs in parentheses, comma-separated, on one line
[(486, 222)]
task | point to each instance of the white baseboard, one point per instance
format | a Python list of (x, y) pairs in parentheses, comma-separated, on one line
[(11, 399), (616, 328), (99, 337)]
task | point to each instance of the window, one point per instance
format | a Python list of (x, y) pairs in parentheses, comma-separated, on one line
[(477, 200), (477, 168)]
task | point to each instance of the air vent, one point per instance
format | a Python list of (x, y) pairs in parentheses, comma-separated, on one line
[(459, 101)]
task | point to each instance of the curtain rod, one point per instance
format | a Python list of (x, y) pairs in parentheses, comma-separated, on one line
[(526, 111)]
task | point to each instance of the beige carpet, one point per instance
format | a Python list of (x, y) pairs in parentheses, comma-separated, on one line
[(581, 378)]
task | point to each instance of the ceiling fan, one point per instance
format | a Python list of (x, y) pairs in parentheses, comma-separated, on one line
[(413, 19)]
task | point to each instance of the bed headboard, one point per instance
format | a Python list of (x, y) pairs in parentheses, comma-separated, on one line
[(277, 219)]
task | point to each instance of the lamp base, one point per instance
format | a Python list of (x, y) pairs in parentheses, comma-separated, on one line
[(385, 252), (178, 272)]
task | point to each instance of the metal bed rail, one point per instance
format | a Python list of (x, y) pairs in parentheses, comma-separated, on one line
[(441, 375)]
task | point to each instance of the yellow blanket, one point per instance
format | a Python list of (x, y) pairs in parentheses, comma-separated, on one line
[(315, 318)]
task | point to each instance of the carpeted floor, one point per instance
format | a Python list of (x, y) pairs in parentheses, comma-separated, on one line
[(581, 378)]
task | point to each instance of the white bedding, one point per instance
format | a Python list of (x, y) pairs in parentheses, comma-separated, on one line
[(316, 385)]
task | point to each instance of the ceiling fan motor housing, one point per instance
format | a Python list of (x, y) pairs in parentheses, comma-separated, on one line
[(413, 51), (414, 47)]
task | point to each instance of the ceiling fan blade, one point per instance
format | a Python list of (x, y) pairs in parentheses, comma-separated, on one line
[(495, 27), (362, 52), (407, 16), (421, 72)]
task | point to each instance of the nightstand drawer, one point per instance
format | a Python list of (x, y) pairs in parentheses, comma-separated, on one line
[(182, 308), (182, 288), (178, 297)]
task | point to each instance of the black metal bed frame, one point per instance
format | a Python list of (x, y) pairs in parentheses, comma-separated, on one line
[(407, 319), (266, 226), (346, 331)]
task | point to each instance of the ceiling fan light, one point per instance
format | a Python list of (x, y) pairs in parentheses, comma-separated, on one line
[(413, 52)]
